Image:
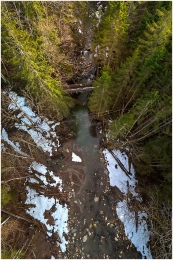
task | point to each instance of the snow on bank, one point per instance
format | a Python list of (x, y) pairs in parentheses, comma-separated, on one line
[(42, 170), (117, 176), (45, 208), (15, 146), (137, 232), (42, 203), (39, 128), (76, 158)]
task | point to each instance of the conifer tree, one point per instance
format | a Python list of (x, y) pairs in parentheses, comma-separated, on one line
[(25, 53), (111, 34), (137, 96)]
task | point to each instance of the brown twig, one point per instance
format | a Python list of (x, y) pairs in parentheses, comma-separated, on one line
[(16, 216)]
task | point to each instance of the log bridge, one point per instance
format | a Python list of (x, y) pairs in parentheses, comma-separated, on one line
[(78, 88)]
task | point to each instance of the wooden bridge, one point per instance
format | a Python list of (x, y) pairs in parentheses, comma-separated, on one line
[(78, 88)]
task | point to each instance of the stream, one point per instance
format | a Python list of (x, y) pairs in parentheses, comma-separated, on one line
[(95, 230)]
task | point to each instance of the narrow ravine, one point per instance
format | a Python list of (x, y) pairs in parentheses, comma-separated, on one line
[(101, 224), (86, 130), (99, 214), (79, 190)]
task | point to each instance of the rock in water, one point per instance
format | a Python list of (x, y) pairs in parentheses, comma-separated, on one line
[(73, 230), (96, 199), (85, 238)]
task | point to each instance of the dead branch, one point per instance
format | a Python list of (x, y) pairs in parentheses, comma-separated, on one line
[(15, 179), (20, 250), (16, 216), (25, 157), (120, 164), (5, 221)]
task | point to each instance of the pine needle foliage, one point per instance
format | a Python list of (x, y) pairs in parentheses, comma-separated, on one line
[(136, 90), (25, 51)]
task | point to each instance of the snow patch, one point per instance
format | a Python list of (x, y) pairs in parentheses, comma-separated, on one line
[(76, 158), (117, 176), (41, 204), (32, 180), (15, 146), (42, 170), (137, 232), (3, 149), (39, 128), (97, 51)]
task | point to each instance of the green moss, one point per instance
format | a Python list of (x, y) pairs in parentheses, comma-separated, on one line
[(6, 195), (5, 255), (11, 255)]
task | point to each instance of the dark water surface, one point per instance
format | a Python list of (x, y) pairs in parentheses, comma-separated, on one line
[(97, 231)]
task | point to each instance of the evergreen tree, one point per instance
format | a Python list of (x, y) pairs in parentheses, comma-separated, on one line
[(110, 36), (137, 94), (25, 53)]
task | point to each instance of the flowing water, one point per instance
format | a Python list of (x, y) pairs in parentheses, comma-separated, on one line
[(96, 231)]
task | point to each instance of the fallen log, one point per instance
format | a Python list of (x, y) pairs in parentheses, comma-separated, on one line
[(79, 85), (76, 90), (120, 164)]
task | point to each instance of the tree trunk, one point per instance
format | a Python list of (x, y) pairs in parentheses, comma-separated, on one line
[(81, 85)]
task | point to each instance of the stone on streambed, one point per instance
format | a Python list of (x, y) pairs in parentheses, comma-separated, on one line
[(89, 233), (102, 160), (96, 199), (85, 238), (106, 171), (73, 230)]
